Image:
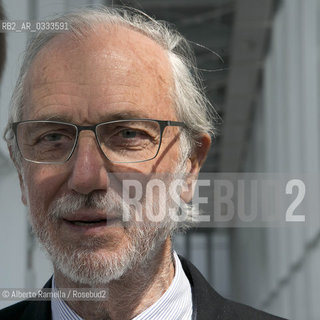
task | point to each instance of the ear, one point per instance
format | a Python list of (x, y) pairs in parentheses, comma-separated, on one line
[(194, 164), (23, 189), (21, 181)]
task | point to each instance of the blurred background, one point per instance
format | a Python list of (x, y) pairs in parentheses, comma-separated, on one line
[(263, 81)]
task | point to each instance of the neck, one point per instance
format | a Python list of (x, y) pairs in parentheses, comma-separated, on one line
[(131, 294)]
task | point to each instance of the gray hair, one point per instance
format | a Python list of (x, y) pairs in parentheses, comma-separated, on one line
[(191, 105)]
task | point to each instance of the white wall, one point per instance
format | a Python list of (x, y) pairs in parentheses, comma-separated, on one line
[(13, 226), (285, 139), (12, 235)]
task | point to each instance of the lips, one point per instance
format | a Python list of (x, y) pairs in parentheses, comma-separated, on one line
[(88, 223), (89, 218)]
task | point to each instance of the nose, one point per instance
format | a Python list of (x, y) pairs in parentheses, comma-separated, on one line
[(89, 172)]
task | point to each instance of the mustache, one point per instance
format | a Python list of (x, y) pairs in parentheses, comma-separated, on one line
[(68, 204)]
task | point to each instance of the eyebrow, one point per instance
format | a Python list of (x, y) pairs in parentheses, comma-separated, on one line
[(110, 117)]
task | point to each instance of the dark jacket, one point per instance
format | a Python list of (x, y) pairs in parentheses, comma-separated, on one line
[(207, 304)]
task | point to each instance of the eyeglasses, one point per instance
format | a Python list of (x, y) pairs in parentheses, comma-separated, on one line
[(121, 141)]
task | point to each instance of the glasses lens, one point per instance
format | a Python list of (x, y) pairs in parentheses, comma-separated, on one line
[(129, 141), (45, 141)]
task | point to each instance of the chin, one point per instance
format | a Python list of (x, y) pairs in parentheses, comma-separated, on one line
[(96, 261), (93, 268)]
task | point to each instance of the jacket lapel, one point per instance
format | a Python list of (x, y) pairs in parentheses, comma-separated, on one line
[(40, 310), (207, 304)]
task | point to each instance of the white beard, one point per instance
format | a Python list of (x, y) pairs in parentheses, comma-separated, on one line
[(82, 263)]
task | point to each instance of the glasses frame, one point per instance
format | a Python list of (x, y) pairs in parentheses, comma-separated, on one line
[(162, 124)]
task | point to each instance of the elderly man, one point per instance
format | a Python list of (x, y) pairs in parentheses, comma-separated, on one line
[(111, 97)]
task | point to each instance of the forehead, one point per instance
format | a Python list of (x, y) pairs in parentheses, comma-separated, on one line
[(99, 67)]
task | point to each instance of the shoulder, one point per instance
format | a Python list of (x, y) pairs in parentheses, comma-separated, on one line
[(15, 311), (28, 309), (208, 304), (232, 310)]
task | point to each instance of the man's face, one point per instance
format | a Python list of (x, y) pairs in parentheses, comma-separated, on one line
[(110, 74)]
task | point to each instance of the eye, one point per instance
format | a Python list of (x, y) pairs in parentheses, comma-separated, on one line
[(128, 138), (129, 133), (52, 137)]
